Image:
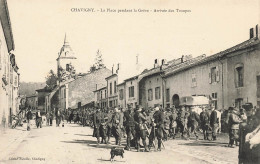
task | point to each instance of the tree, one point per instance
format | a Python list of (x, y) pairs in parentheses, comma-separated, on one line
[(99, 60), (51, 80)]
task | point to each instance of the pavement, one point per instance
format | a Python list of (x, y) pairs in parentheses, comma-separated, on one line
[(75, 144)]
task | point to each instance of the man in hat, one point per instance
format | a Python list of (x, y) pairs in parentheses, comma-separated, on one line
[(157, 128), (193, 122), (214, 123), (167, 121), (140, 128), (117, 124), (98, 119), (38, 119), (130, 126), (109, 124), (204, 123), (181, 120), (233, 120), (29, 117), (173, 124)]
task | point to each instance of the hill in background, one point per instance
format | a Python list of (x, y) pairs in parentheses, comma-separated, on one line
[(28, 88)]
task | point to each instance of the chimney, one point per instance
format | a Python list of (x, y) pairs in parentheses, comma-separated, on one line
[(251, 33), (256, 31), (163, 61), (96, 86), (156, 63), (137, 59), (182, 59), (112, 69)]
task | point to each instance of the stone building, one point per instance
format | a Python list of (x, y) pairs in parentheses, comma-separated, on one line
[(112, 94), (101, 97), (81, 90), (8, 69), (41, 94), (228, 78)]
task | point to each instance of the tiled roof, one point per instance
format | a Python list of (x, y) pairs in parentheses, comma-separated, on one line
[(192, 63)]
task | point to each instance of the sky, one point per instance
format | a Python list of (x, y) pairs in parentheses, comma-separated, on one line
[(39, 27)]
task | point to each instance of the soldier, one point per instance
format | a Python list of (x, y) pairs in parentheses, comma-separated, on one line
[(214, 123), (117, 124), (204, 122), (130, 126), (109, 124), (173, 124), (193, 122), (181, 120), (98, 119), (167, 122), (140, 128), (233, 121), (157, 128)]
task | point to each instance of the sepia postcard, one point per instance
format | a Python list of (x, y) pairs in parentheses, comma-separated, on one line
[(135, 82)]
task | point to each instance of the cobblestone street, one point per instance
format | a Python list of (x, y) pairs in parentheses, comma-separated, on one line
[(75, 144)]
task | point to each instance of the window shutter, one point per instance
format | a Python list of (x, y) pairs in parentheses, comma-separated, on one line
[(209, 77), (217, 72)]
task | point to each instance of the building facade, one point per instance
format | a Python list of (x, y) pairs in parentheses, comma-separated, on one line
[(121, 95), (112, 94), (131, 91), (8, 69), (101, 97)]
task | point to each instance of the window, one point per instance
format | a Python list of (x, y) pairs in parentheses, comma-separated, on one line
[(215, 100), (110, 103), (64, 93), (167, 95), (110, 88), (193, 80), (101, 94), (131, 91), (121, 94), (105, 93), (157, 93), (67, 67), (150, 95), (214, 75), (239, 76), (114, 86)]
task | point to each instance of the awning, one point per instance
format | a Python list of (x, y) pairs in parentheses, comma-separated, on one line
[(194, 100)]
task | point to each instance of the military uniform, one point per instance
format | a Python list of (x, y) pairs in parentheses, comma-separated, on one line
[(109, 125), (181, 121), (247, 154), (130, 127), (140, 129), (193, 122), (117, 123), (157, 130), (98, 128), (233, 121), (167, 122), (214, 124), (173, 124), (204, 122)]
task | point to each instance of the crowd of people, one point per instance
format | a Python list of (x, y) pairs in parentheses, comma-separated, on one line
[(57, 114), (158, 123), (139, 124)]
